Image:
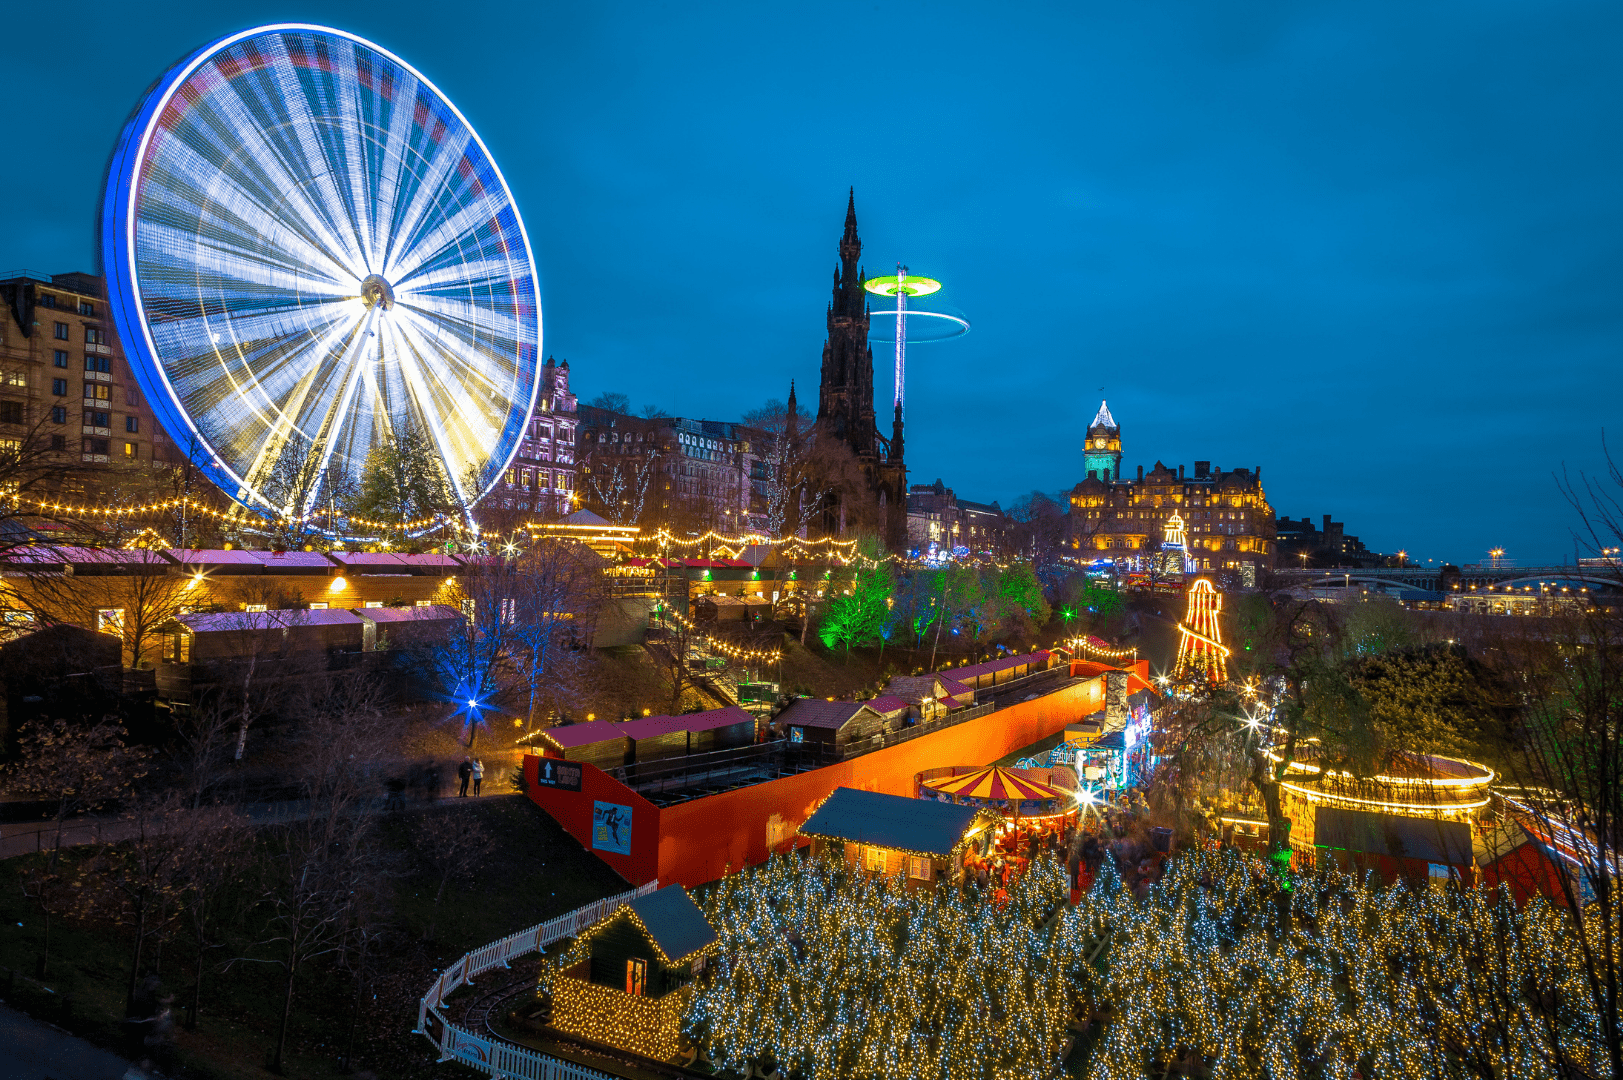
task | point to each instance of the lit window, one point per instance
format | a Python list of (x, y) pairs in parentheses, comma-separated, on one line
[(110, 621), (253, 607), (918, 868), (374, 603), (318, 607), (130, 449), (636, 977), (875, 859)]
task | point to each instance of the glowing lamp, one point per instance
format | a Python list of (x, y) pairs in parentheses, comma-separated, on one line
[(338, 585)]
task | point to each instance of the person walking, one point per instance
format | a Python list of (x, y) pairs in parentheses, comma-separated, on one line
[(465, 772), (478, 774)]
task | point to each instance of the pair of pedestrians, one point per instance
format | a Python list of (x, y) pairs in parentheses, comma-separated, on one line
[(471, 769)]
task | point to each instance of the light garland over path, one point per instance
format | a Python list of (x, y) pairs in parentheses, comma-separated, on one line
[(1218, 972)]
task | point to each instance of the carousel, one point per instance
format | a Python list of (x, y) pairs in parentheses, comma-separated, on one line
[(1036, 817)]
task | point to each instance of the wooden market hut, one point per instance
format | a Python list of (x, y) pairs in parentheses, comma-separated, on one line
[(393, 627), (631, 988), (655, 738), (597, 741), (719, 729), (892, 834), (835, 724)]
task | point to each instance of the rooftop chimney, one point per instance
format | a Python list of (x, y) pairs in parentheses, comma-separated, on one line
[(1180, 472), (1141, 472), (1202, 468)]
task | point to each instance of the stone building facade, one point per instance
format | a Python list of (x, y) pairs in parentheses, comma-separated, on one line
[(64, 379), (541, 478), (701, 474), (939, 521), (1227, 521)]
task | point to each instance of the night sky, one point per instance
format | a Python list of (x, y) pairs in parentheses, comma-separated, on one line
[(1374, 248)]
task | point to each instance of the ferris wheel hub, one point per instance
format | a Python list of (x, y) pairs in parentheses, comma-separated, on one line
[(375, 289)]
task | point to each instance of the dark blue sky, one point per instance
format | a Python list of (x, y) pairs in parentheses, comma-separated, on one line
[(1375, 248)]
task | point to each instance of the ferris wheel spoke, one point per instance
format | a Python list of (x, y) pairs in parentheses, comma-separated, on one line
[(284, 162), (431, 201), (453, 429), (393, 173), (479, 226), (462, 365), (456, 314)]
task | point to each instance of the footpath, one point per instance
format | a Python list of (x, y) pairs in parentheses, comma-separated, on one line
[(28, 837), (35, 1050)]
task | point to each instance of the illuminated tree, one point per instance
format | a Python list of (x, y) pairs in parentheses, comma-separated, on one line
[(402, 479), (859, 605)]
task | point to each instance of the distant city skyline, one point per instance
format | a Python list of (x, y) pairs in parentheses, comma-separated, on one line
[(1371, 248)]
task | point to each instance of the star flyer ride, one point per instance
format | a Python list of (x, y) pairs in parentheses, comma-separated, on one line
[(310, 255), (935, 325)]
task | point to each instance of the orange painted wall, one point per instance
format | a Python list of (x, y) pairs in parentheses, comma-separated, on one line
[(697, 840)]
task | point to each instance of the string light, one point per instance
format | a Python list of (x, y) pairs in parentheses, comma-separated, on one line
[(1201, 651)]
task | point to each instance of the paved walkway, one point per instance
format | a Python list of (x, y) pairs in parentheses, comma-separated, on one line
[(27, 837), (35, 1050)]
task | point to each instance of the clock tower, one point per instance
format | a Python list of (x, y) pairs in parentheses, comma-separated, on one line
[(1101, 454)]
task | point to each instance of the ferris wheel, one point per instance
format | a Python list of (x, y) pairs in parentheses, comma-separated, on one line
[(310, 256)]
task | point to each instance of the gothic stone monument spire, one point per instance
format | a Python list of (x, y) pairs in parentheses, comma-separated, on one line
[(845, 398)]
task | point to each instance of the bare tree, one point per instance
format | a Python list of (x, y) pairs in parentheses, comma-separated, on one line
[(301, 483), (617, 484), (144, 592), (31, 473), (612, 401), (79, 768), (558, 593), (451, 844), (794, 490), (316, 869)]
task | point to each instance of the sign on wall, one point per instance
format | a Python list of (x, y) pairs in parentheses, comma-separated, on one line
[(558, 774), (611, 828)]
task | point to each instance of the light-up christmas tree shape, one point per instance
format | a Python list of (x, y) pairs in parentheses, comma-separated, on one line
[(1201, 652)]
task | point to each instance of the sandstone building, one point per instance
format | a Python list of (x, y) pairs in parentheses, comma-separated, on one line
[(1227, 520)]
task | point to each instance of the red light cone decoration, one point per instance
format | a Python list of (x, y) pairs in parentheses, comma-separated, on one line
[(1201, 650)]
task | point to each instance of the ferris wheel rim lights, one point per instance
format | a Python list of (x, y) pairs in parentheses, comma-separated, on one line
[(516, 368)]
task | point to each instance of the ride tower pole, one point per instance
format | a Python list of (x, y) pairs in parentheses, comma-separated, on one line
[(901, 329)]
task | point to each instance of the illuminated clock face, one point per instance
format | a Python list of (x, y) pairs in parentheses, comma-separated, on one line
[(1098, 444)]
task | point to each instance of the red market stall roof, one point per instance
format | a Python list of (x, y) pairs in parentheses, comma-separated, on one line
[(572, 735), (885, 704), (987, 667), (716, 718)]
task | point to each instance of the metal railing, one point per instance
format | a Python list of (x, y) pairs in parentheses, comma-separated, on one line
[(722, 766), (494, 1056)]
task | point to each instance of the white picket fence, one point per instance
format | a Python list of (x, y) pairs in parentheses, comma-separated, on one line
[(492, 1055)]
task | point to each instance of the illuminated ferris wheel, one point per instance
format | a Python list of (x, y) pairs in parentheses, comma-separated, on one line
[(310, 254)]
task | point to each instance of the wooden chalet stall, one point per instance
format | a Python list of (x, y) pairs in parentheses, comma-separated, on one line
[(230, 635), (386, 628), (597, 741), (997, 672), (893, 834), (840, 724), (719, 729), (932, 695), (655, 738), (630, 989)]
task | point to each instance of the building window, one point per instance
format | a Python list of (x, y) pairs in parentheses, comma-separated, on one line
[(130, 449), (99, 363), (96, 446), (918, 868), (59, 442), (636, 977), (11, 412), (87, 309), (59, 415), (16, 378), (374, 603), (318, 607), (874, 859), (59, 358), (46, 300), (110, 621), (253, 607), (130, 397), (98, 419), (61, 331), (95, 336), (59, 387), (132, 424), (98, 391)]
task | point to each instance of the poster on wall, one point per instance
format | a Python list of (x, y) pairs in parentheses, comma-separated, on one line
[(558, 774), (611, 827)]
